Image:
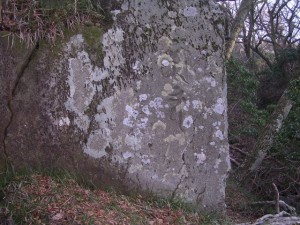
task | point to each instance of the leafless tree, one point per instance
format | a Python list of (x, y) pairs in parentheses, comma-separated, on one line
[(264, 29), (269, 28), (237, 25)]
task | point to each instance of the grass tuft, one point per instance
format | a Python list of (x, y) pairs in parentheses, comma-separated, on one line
[(35, 20)]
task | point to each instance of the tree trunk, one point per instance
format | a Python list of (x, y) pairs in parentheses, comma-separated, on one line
[(0, 11), (248, 35), (237, 25), (265, 141)]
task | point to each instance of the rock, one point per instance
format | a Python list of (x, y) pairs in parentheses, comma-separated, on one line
[(12, 61), (144, 111)]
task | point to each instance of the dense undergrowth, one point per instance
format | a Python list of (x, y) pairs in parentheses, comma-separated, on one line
[(252, 98)]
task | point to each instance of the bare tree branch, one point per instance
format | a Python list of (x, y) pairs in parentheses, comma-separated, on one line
[(238, 25), (277, 209), (258, 52)]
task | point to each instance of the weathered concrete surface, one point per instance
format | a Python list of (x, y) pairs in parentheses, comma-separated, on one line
[(146, 110)]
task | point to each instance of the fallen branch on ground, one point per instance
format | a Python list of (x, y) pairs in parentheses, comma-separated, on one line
[(281, 203), (277, 219)]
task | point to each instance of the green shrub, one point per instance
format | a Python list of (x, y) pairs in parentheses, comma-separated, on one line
[(244, 115)]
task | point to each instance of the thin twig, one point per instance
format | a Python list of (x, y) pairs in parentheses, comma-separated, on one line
[(277, 209), (235, 162), (239, 150)]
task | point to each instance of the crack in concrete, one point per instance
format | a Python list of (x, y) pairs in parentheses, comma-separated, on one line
[(20, 73)]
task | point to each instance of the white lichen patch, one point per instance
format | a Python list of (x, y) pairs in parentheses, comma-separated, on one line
[(132, 116), (134, 140), (82, 74), (143, 97), (219, 106), (217, 124), (80, 84), (145, 160), (172, 14), (138, 84), (200, 158), (81, 88), (219, 134), (157, 105), (127, 155), (154, 177), (188, 122), (204, 53), (64, 121), (113, 35), (197, 104), (164, 60), (160, 114), (114, 14), (128, 122), (136, 65), (186, 105), (199, 69), (146, 110), (174, 27), (76, 42), (143, 123), (217, 163), (190, 11), (223, 148), (112, 45), (82, 122), (106, 112)]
